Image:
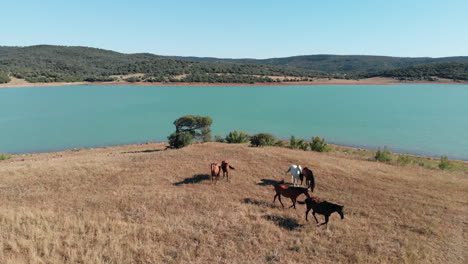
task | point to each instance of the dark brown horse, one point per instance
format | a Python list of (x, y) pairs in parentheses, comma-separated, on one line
[(225, 167), (322, 207), (215, 171), (309, 176), (289, 192)]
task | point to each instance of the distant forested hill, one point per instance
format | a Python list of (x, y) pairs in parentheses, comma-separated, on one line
[(48, 63), (339, 63), (448, 70)]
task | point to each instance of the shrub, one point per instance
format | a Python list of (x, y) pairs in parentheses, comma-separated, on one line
[(218, 138), (444, 163), (133, 79), (295, 143), (318, 144), (180, 139), (4, 156), (4, 78), (237, 137), (262, 139), (279, 143), (298, 143), (99, 79), (384, 155), (403, 159)]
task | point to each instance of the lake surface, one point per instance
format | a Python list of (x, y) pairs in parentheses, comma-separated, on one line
[(427, 119)]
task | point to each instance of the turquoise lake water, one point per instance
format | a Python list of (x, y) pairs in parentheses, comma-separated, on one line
[(427, 119)]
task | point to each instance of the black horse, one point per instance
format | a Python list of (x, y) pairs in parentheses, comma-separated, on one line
[(322, 207), (309, 176)]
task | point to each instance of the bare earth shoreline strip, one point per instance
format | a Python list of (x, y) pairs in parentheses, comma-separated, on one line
[(369, 81)]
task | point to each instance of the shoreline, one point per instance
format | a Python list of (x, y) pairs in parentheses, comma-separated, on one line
[(368, 81), (336, 148)]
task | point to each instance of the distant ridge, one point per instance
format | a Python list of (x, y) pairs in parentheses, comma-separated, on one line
[(50, 63), (340, 63)]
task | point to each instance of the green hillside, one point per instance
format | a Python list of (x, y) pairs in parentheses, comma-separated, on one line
[(45, 63), (339, 63), (448, 70), (48, 63)]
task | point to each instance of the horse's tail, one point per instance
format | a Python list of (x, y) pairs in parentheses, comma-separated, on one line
[(231, 167), (312, 182), (340, 211)]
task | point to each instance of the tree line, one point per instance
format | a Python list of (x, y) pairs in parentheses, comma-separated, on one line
[(46, 63), (73, 64), (448, 70)]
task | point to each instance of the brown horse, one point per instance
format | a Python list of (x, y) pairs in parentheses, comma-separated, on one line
[(225, 167), (310, 180), (322, 207), (289, 192), (215, 171)]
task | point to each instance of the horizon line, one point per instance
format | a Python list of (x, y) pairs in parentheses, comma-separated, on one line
[(229, 58)]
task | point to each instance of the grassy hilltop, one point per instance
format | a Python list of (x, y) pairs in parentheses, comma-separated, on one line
[(144, 204)]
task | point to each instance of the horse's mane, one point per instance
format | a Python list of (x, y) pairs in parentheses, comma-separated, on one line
[(318, 200)]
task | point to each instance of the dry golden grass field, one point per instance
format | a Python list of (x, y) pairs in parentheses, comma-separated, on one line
[(144, 204)]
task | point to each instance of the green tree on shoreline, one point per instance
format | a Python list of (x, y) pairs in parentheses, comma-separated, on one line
[(188, 128)]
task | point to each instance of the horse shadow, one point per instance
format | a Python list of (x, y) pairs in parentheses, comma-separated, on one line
[(267, 182), (194, 179), (143, 151), (290, 224), (258, 203)]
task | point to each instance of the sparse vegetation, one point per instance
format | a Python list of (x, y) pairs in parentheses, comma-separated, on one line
[(403, 159), (383, 155), (4, 156), (237, 137), (444, 163), (262, 140)]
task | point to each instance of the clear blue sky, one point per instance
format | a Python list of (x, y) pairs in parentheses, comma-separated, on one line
[(239, 29)]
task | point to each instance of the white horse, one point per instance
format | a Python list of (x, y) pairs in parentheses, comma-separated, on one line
[(296, 172)]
